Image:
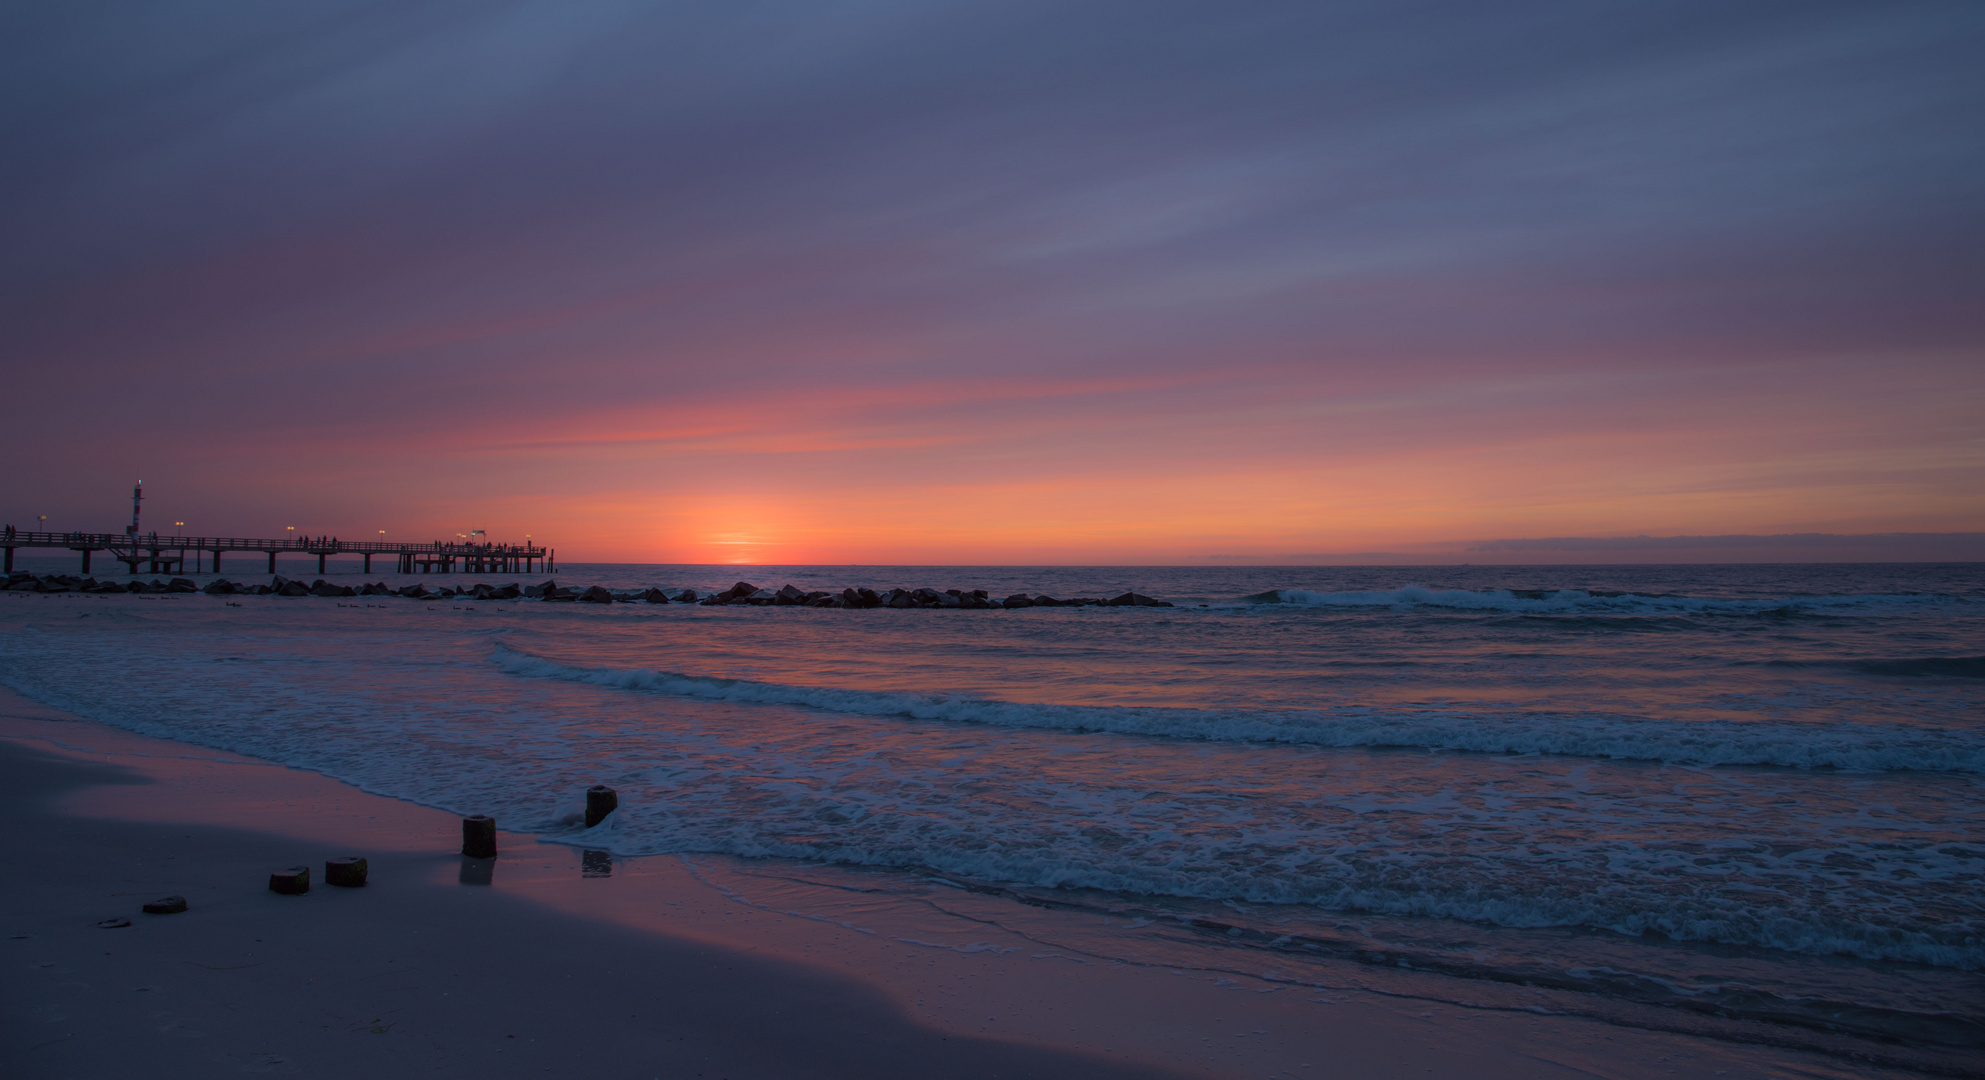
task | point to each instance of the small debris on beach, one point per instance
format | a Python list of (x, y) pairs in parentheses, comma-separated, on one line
[(295, 881), (166, 905)]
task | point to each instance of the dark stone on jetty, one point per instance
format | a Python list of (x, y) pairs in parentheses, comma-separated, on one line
[(655, 596), (686, 596), (166, 905), (219, 587), (479, 837), (601, 800), (507, 592), (788, 596), (105, 587), (1132, 599), (294, 881), (180, 584), (596, 595), (348, 872), (320, 587), (736, 593)]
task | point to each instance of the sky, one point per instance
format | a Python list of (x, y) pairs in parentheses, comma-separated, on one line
[(1001, 282)]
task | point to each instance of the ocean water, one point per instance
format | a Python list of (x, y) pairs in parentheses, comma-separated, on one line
[(1735, 795)]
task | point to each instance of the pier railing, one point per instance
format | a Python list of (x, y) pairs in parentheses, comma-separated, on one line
[(428, 556)]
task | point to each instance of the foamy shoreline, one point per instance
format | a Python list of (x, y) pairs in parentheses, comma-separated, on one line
[(667, 972)]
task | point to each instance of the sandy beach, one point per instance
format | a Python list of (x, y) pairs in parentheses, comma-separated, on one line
[(543, 964)]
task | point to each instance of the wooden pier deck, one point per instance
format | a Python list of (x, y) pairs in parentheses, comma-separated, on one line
[(168, 554)]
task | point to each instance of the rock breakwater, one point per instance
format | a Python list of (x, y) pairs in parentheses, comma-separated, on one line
[(743, 592)]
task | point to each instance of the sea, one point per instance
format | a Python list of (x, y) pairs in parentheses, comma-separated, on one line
[(1746, 801)]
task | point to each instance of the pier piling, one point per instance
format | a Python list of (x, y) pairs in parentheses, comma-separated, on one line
[(479, 836), (601, 800), (295, 881)]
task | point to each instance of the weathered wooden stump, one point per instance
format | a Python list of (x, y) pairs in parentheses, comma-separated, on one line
[(479, 837), (348, 872), (294, 881), (601, 800), (166, 905), (114, 924)]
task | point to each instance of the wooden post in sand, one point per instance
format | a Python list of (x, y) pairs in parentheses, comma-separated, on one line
[(348, 872), (479, 837), (601, 800), (294, 881)]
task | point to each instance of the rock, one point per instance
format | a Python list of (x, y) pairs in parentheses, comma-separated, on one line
[(507, 592), (416, 592), (595, 595), (789, 595), (686, 596), (1135, 599), (1019, 600), (320, 587), (975, 603), (294, 881), (219, 587), (738, 591), (105, 587), (292, 588), (824, 601), (655, 596), (482, 592), (536, 590), (949, 600), (180, 584), (166, 905), (900, 599), (348, 872)]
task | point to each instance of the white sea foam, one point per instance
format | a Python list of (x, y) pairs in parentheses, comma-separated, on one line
[(1582, 602), (1689, 742)]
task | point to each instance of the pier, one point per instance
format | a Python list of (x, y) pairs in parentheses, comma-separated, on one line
[(169, 554)]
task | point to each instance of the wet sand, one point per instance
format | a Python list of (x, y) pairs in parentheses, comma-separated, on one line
[(531, 966)]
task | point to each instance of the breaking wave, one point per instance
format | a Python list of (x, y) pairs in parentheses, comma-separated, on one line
[(1588, 602), (1857, 747)]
